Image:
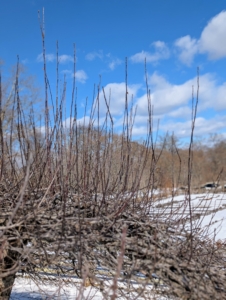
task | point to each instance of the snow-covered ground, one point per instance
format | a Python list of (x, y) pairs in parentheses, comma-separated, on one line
[(26, 289), (208, 210)]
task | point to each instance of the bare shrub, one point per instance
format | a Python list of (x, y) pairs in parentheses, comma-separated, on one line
[(80, 197)]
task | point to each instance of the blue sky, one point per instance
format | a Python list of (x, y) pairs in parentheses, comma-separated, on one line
[(174, 36)]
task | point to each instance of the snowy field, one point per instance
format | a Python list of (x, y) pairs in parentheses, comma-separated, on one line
[(25, 289), (209, 215), (208, 212)]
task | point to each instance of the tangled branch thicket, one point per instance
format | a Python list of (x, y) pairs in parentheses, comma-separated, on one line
[(71, 203)]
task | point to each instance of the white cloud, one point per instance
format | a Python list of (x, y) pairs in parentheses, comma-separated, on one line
[(108, 58), (85, 120), (187, 47), (161, 52), (25, 61), (165, 96), (212, 41), (212, 95), (172, 106), (203, 126), (41, 129), (181, 112), (81, 76), (50, 57), (64, 58), (139, 130), (93, 55), (182, 129), (115, 62), (116, 92), (69, 72), (169, 101)]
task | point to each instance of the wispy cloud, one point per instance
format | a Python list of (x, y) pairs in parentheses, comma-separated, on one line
[(111, 61), (161, 52), (212, 41), (25, 61), (95, 54), (80, 75), (50, 57), (64, 58), (114, 63)]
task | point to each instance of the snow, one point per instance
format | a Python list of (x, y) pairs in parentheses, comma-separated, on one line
[(26, 289), (217, 223), (211, 211), (208, 210)]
